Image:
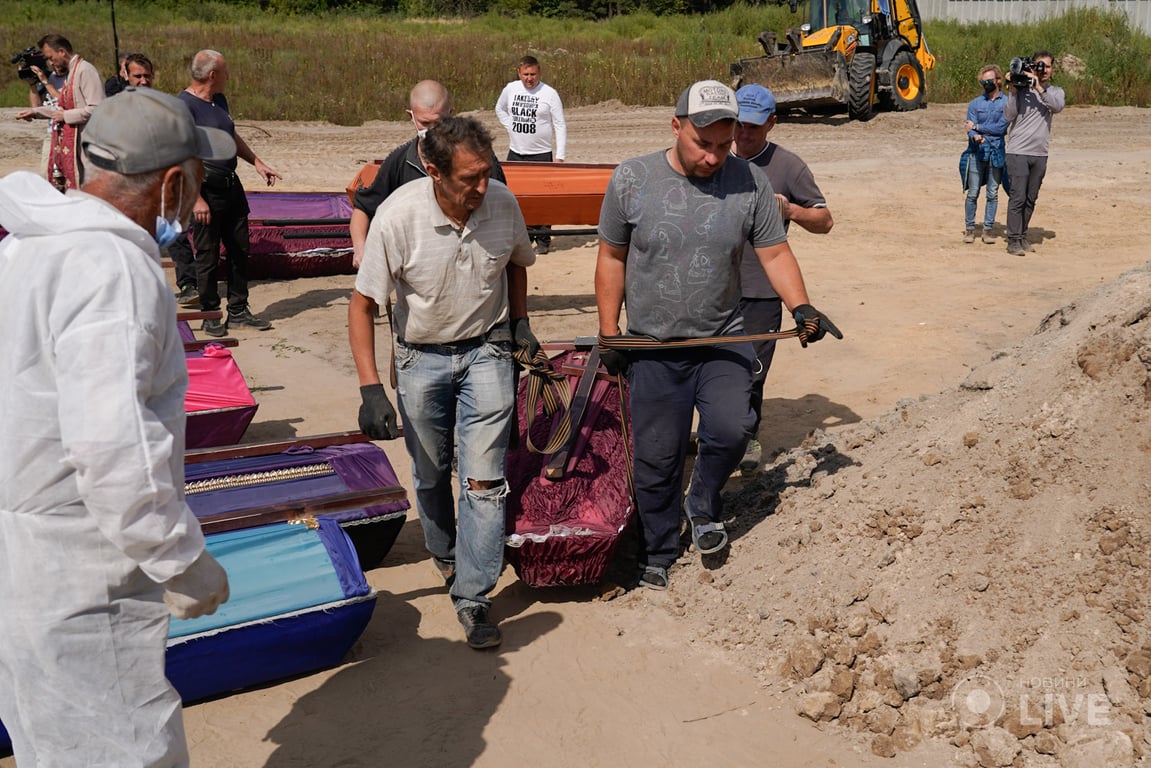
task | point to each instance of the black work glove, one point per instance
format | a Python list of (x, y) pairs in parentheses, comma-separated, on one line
[(614, 360), (377, 416), (813, 324), (523, 337)]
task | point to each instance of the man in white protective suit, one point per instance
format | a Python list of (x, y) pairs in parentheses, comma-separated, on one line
[(97, 545)]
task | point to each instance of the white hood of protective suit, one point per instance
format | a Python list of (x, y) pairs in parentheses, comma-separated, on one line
[(92, 400), (31, 207)]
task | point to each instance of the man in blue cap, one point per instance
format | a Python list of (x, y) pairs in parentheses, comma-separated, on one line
[(801, 201)]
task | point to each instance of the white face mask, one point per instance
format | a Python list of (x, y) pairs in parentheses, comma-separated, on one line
[(168, 231)]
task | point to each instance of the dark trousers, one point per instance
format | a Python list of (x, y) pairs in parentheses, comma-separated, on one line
[(181, 253), (666, 387), (761, 316), (228, 224), (543, 157), (1026, 173)]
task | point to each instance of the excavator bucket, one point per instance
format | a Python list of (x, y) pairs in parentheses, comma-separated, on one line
[(800, 80)]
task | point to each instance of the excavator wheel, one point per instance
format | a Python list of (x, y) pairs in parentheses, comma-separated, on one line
[(861, 71), (907, 92)]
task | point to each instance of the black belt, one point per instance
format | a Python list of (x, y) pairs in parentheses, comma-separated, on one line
[(220, 179), (496, 334), (448, 347)]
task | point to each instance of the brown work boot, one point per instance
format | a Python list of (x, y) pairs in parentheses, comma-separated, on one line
[(969, 236), (988, 237)]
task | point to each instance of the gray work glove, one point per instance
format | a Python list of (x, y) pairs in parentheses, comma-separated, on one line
[(813, 324), (199, 590), (377, 416), (523, 337)]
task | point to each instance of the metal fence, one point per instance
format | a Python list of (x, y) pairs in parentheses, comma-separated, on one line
[(1022, 11)]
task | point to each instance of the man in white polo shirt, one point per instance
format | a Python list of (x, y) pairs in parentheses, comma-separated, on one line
[(453, 248)]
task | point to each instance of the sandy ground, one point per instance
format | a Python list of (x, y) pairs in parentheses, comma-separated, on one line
[(643, 679)]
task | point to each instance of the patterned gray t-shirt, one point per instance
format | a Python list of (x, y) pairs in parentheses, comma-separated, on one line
[(685, 239)]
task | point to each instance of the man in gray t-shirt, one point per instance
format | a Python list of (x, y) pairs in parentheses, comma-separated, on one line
[(800, 200), (672, 230)]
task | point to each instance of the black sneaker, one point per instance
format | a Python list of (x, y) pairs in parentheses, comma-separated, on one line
[(247, 318), (214, 328), (481, 632), (188, 296)]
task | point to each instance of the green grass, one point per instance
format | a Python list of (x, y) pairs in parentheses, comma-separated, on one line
[(358, 65)]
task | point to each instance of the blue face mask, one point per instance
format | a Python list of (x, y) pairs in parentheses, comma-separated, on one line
[(167, 232)]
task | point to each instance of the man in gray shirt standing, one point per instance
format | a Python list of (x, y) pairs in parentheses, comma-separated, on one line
[(1028, 113), (800, 200), (672, 230)]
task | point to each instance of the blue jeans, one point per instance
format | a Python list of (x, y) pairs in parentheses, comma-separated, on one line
[(666, 387), (466, 390), (976, 170)]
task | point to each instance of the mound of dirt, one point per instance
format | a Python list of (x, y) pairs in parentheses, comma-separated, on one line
[(971, 566)]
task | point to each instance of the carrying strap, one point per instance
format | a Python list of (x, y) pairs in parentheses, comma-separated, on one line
[(625, 429), (392, 334), (646, 343), (547, 384)]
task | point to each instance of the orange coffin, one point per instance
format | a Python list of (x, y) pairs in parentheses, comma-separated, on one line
[(548, 193)]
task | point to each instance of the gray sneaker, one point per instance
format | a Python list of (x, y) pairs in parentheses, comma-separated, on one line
[(988, 237), (1015, 248), (752, 458), (214, 328), (1027, 246), (247, 318), (969, 236)]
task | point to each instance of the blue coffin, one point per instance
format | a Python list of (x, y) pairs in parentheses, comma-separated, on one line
[(299, 602)]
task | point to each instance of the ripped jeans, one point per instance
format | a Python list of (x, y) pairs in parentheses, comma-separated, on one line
[(464, 389)]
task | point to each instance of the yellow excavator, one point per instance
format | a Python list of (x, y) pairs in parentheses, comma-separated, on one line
[(864, 54)]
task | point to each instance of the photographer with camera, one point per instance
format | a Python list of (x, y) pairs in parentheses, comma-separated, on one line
[(44, 84), (82, 91), (1028, 112)]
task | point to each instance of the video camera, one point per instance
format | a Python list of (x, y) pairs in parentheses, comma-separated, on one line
[(28, 58), (1020, 66)]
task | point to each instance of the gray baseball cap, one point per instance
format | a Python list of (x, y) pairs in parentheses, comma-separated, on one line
[(707, 102), (140, 130)]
